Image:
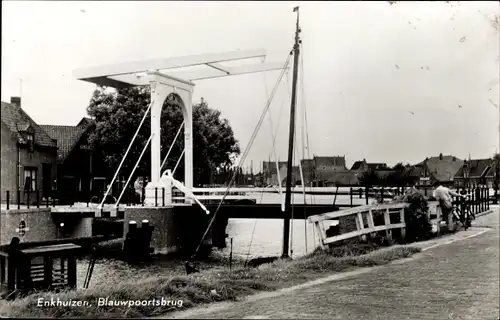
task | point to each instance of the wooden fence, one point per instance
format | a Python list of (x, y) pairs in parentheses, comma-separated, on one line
[(393, 218)]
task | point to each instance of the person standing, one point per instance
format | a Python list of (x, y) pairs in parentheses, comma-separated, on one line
[(444, 196)]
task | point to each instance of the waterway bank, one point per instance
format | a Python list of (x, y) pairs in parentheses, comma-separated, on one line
[(217, 284)]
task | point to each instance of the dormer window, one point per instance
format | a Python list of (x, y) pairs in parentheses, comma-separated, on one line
[(30, 139)]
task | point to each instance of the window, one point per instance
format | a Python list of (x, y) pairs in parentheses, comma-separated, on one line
[(31, 142), (30, 177)]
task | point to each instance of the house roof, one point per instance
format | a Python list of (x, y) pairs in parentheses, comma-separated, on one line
[(443, 168), (373, 166), (357, 165), (17, 120), (342, 177), (67, 137), (329, 161), (376, 166), (85, 121), (477, 168), (415, 171)]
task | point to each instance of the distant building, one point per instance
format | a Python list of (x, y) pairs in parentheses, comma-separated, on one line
[(28, 157), (81, 172), (438, 169), (360, 166), (319, 171), (476, 172)]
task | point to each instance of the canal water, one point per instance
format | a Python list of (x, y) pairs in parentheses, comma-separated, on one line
[(251, 238)]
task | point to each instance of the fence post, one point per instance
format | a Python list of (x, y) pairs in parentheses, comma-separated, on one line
[(382, 195), (163, 195), (472, 206), (360, 193), (481, 189), (156, 196), (350, 195), (478, 200), (18, 199), (366, 194), (8, 199), (143, 195), (488, 198), (28, 199), (38, 198)]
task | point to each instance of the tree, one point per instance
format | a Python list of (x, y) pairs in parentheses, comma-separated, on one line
[(117, 116), (368, 178)]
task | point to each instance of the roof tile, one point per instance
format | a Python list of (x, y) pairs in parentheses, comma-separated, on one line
[(16, 119)]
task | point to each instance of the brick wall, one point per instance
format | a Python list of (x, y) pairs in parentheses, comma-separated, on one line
[(8, 163), (9, 178), (164, 238), (39, 221)]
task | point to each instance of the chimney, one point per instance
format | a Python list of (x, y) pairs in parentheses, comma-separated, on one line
[(440, 156), (16, 101)]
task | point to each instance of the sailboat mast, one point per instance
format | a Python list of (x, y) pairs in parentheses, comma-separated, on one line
[(286, 223)]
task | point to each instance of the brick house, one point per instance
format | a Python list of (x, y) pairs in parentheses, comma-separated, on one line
[(475, 173), (319, 171), (81, 172), (270, 173), (28, 155), (360, 166), (438, 169)]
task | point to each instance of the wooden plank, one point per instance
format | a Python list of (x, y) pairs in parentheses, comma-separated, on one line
[(361, 224), (48, 271), (51, 249), (3, 268), (403, 229), (371, 224), (72, 272), (321, 235), (387, 221), (362, 232), (355, 210)]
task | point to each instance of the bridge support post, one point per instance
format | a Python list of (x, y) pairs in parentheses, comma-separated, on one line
[(161, 87)]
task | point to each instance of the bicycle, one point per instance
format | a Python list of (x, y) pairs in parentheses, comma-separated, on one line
[(462, 212)]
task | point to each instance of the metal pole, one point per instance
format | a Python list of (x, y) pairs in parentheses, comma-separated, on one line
[(286, 224)]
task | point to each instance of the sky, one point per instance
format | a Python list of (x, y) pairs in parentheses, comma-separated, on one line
[(385, 83)]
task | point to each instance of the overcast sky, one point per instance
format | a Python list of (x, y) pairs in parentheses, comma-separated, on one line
[(381, 82)]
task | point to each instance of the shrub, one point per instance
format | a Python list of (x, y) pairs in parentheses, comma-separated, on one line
[(418, 226)]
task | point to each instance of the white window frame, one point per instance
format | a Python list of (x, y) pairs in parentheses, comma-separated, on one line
[(32, 173)]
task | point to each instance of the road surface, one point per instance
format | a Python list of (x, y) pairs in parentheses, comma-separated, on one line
[(458, 280)]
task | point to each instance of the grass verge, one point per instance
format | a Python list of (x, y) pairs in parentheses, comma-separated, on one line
[(205, 287)]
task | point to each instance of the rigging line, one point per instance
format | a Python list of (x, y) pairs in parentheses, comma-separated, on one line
[(247, 149), (251, 240), (173, 143), (178, 161), (253, 232), (305, 125), (126, 153), (280, 191), (305, 113), (133, 170), (304, 194), (273, 135)]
